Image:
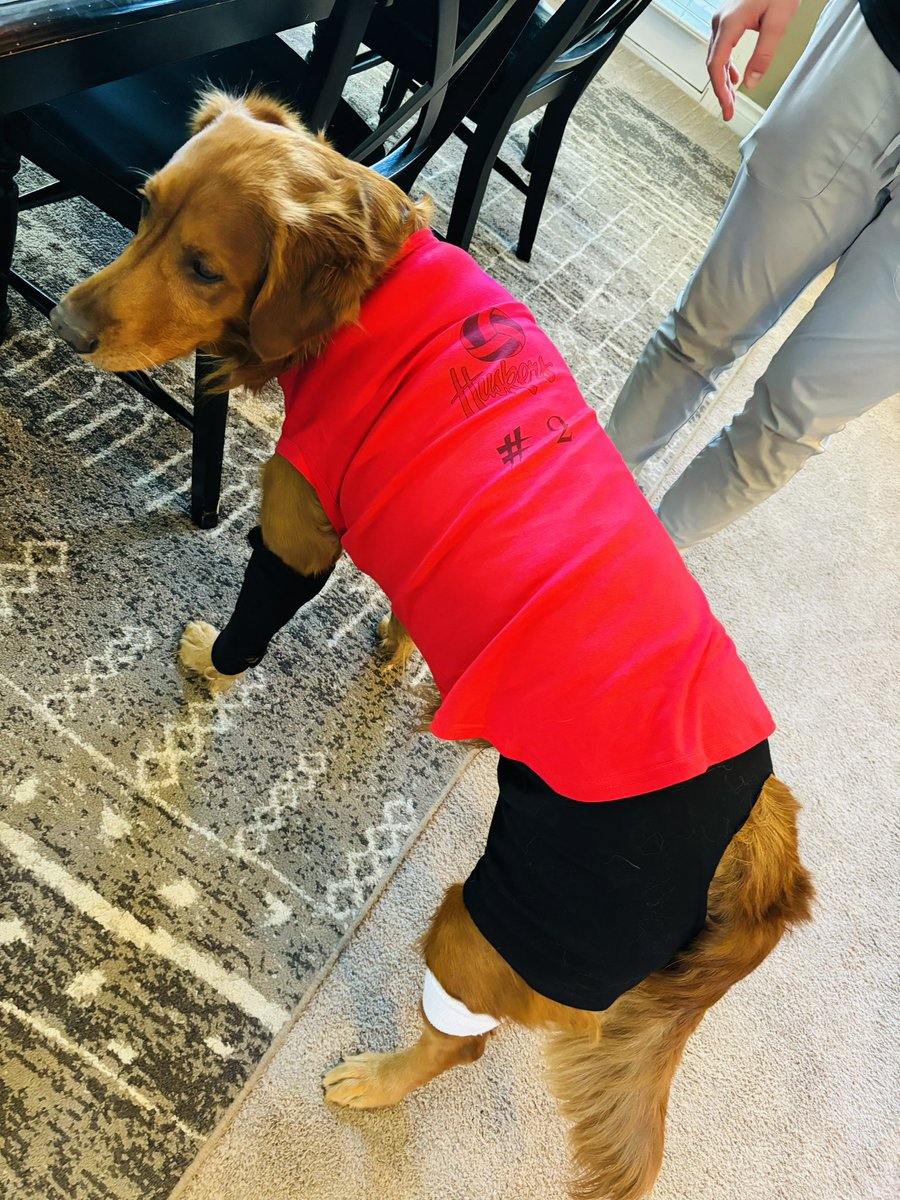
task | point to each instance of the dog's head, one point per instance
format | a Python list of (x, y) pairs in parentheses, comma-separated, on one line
[(256, 242)]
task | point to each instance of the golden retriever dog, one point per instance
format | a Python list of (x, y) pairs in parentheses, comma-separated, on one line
[(642, 859)]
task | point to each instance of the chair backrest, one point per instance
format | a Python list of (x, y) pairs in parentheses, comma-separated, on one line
[(463, 62), (601, 23), (563, 49)]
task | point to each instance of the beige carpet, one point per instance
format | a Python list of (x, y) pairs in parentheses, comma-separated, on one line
[(789, 1089)]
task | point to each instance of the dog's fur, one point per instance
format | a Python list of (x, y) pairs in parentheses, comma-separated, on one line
[(298, 235)]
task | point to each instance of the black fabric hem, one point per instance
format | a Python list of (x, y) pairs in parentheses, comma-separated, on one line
[(584, 901)]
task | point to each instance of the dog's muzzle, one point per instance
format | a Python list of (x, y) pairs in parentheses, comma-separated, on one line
[(82, 340)]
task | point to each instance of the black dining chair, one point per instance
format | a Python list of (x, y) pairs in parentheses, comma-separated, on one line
[(561, 50), (101, 144), (458, 58)]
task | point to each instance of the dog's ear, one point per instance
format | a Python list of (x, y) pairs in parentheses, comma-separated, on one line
[(214, 103), (307, 292), (329, 245)]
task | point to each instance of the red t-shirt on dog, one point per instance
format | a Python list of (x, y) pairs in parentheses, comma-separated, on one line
[(463, 470)]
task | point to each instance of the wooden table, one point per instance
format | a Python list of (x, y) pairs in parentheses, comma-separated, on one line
[(49, 48)]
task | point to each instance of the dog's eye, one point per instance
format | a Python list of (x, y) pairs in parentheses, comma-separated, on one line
[(202, 271), (145, 206)]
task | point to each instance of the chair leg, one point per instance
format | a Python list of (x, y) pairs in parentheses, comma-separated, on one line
[(393, 95), (533, 134), (478, 163), (391, 98), (543, 155), (10, 162), (208, 449)]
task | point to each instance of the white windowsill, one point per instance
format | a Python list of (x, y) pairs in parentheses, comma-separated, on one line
[(679, 53)]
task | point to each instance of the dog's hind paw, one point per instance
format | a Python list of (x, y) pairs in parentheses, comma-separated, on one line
[(195, 653), (370, 1080), (395, 646)]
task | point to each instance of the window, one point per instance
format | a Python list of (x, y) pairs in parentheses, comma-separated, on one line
[(696, 14)]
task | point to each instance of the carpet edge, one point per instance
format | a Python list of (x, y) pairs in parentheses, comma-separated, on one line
[(321, 975)]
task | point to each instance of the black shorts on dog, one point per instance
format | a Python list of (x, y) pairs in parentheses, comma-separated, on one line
[(586, 900)]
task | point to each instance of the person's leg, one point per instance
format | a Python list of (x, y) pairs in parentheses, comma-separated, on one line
[(843, 358), (813, 176)]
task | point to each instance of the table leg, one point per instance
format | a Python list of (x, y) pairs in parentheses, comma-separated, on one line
[(335, 45), (10, 161)]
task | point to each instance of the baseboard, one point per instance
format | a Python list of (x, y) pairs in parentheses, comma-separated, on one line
[(746, 111), (678, 47), (651, 60)]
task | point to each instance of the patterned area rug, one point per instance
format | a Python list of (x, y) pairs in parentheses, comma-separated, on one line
[(175, 872)]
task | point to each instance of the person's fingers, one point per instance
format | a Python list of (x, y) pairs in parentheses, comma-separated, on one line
[(725, 36), (733, 72), (771, 31)]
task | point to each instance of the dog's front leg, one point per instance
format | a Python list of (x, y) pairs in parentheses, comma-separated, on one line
[(271, 594), (294, 552)]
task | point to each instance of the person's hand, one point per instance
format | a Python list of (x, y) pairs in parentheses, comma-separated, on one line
[(770, 17)]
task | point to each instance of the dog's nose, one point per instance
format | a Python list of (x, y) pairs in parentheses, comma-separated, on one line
[(82, 341)]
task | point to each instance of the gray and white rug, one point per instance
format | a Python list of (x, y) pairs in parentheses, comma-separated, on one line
[(175, 872)]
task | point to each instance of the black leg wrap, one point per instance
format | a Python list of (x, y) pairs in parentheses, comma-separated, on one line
[(270, 595)]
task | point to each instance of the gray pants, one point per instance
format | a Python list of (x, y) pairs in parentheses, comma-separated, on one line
[(816, 185)]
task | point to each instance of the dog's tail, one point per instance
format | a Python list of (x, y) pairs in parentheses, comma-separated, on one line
[(615, 1089)]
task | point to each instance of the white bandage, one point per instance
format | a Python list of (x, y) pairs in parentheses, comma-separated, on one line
[(450, 1015)]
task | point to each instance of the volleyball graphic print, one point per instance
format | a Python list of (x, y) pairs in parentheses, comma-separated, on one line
[(497, 340), (491, 336)]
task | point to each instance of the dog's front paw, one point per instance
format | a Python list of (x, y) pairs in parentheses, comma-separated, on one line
[(195, 653)]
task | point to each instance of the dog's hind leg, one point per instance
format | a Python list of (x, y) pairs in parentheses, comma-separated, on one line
[(294, 551), (611, 1071), (375, 1080), (477, 990), (395, 644), (378, 1080), (615, 1091)]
